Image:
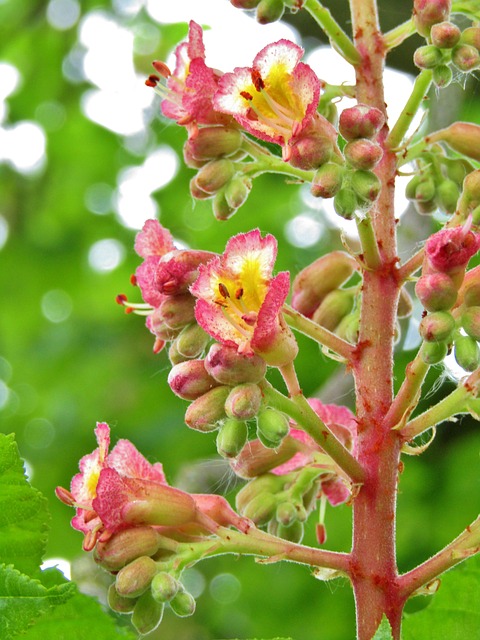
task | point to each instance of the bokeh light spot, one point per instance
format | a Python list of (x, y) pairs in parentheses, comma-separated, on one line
[(106, 255), (225, 588), (56, 305), (303, 231), (39, 433), (63, 14)]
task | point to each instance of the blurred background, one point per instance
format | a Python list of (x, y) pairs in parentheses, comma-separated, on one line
[(85, 159)]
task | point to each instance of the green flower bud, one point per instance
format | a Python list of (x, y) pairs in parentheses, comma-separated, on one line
[(272, 426), (433, 352), (212, 142), (243, 401), (471, 296), (267, 483), (269, 11), (191, 341), (428, 13), (173, 354), (255, 459), (427, 207), (366, 185), (465, 57), (214, 175), (445, 35), (363, 153), (334, 307), (427, 57), (437, 326), (261, 508), (221, 209), (425, 190), (471, 322), (189, 380), (178, 311), (195, 191), (345, 203), (183, 603), (245, 4), (457, 169), (436, 291), (348, 327), (448, 194), (205, 413), (411, 188), (232, 437), (117, 602), (471, 36), (293, 532), (442, 76), (125, 546), (227, 366), (467, 353), (286, 513), (147, 614), (164, 587), (135, 578), (237, 190), (327, 180)]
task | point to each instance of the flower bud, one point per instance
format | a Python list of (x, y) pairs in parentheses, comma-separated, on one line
[(310, 151), (293, 532), (232, 437), (193, 163), (174, 355), (437, 326), (268, 483), (286, 513), (243, 401), (467, 353), (426, 207), (465, 57), (214, 175), (334, 307), (205, 412), (164, 587), (227, 366), (117, 602), (433, 352), (425, 190), (255, 460), (427, 57), (463, 137), (261, 508), (436, 291), (158, 327), (135, 578), (349, 326), (363, 153), (426, 13), (269, 11), (192, 341), (272, 426), (189, 380), (457, 168), (448, 194), (442, 76), (325, 274), (244, 4), (345, 203), (162, 506), (471, 322), (445, 35), (222, 210), (209, 143), (366, 185), (147, 614), (178, 311), (237, 190), (183, 603), (361, 121), (471, 295), (471, 36), (327, 180), (195, 191), (125, 546), (450, 250)]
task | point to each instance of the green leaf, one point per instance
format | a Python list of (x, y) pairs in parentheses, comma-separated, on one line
[(81, 618), (454, 612), (23, 513), (384, 631), (23, 599)]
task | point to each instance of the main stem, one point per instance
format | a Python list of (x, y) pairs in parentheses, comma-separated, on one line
[(374, 572)]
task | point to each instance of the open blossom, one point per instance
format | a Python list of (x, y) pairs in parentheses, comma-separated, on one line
[(276, 99), (239, 302), (188, 92), (342, 423)]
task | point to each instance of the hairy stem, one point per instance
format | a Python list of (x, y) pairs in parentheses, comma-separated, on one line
[(399, 34), (337, 36), (409, 393)]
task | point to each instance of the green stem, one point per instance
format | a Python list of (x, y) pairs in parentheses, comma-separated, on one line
[(408, 395), (464, 546), (412, 265), (318, 333), (337, 36), (370, 253), (300, 411), (414, 151), (420, 88), (272, 164), (399, 34), (290, 378)]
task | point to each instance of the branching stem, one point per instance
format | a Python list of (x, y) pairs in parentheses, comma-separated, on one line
[(337, 36)]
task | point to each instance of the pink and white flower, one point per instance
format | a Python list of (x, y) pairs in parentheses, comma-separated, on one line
[(276, 98), (239, 302)]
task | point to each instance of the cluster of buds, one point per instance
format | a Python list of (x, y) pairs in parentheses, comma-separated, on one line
[(266, 11), (438, 182), (286, 482), (135, 523), (449, 46), (352, 184), (447, 254)]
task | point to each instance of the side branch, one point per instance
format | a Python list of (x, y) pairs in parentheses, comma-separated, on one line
[(464, 546), (337, 36), (409, 393), (299, 410)]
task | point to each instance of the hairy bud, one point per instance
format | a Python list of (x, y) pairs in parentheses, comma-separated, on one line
[(209, 143), (147, 614), (327, 180), (426, 13), (205, 413), (361, 121), (117, 602), (433, 352), (437, 326), (227, 366), (183, 603), (191, 341), (135, 578), (465, 57), (427, 57), (164, 587), (272, 426), (471, 322), (125, 546), (189, 380), (436, 291), (333, 308), (346, 203), (243, 401), (214, 175), (363, 153), (178, 311), (269, 11), (466, 352), (445, 35), (232, 437)]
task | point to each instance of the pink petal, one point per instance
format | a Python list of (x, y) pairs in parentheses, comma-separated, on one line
[(129, 462), (146, 277), (335, 491), (282, 52), (248, 248), (210, 317), (268, 326), (153, 240)]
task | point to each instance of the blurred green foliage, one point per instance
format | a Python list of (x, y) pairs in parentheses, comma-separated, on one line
[(69, 356)]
